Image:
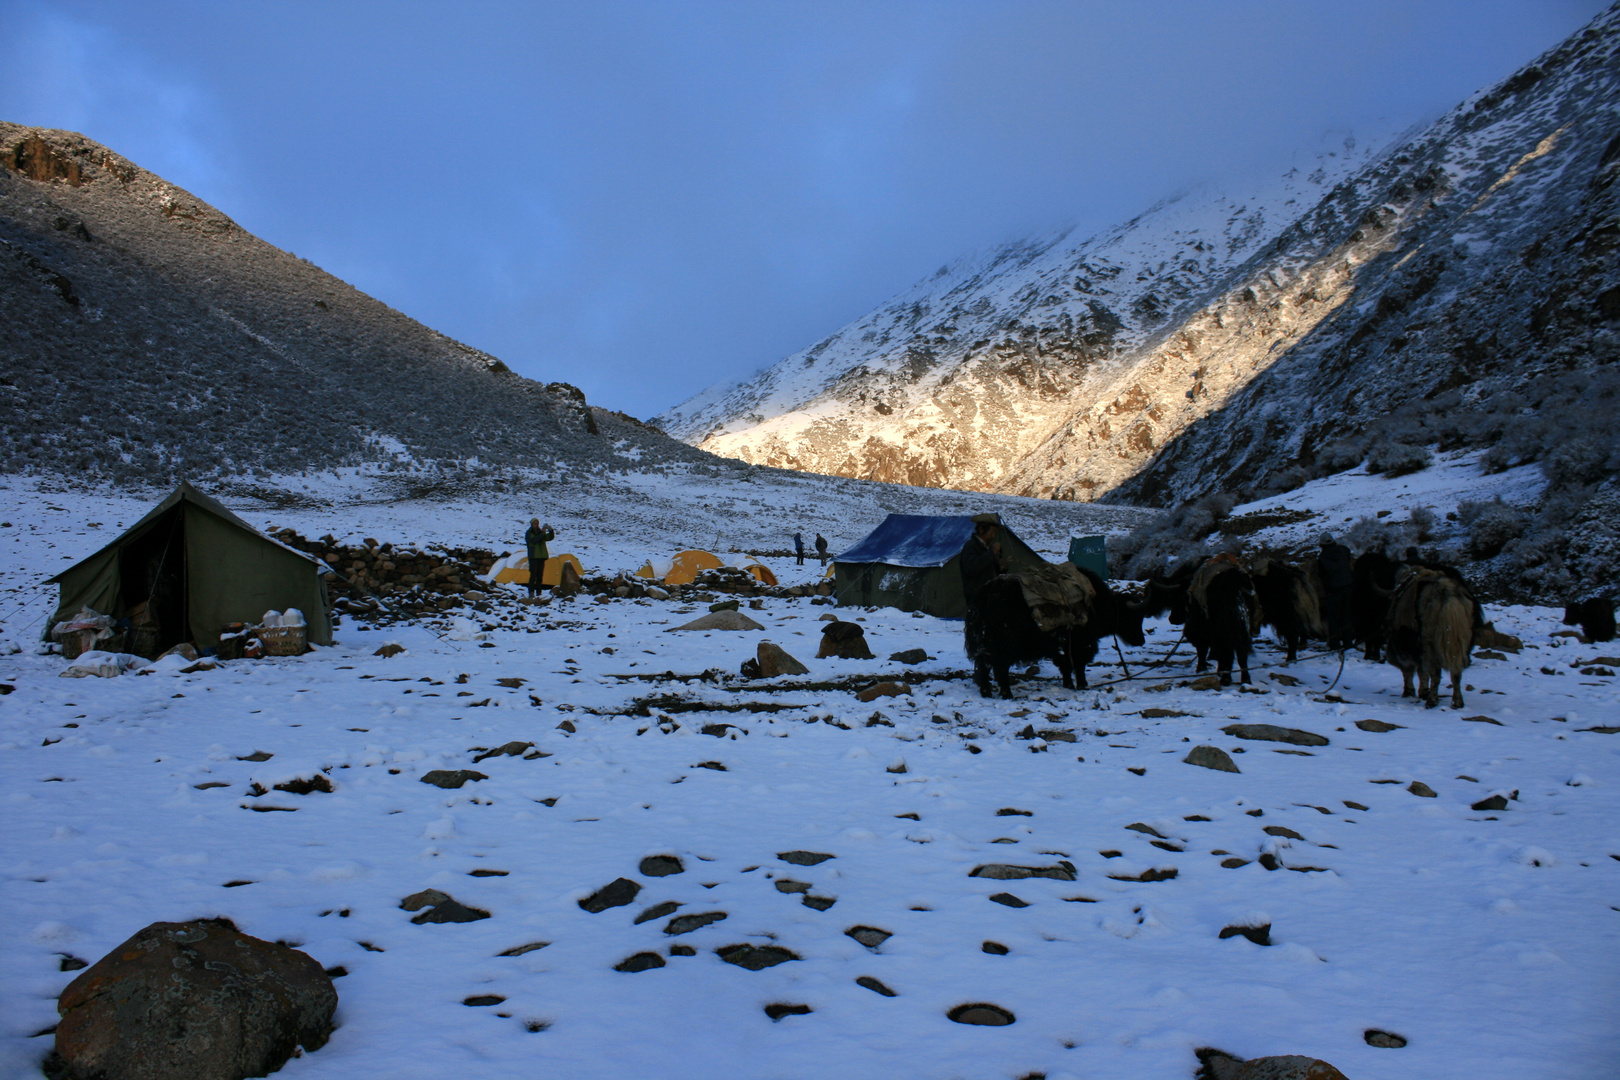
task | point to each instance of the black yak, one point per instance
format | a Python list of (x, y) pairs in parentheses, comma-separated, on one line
[(1058, 613), (1374, 582), (1595, 617), (1290, 603), (1216, 601), (1431, 632)]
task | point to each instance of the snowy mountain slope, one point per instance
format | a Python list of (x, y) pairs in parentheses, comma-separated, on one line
[(958, 379), (1477, 253), (150, 336)]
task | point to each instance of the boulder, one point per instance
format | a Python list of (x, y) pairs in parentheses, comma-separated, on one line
[(568, 583), (845, 640), (720, 620), (775, 660), (192, 1001), (1211, 757), (1219, 1065)]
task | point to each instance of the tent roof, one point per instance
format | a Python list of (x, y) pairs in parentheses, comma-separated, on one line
[(912, 540), (186, 493)]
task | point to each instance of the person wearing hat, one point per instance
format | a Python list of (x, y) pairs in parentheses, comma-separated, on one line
[(980, 559), (1338, 574), (536, 540)]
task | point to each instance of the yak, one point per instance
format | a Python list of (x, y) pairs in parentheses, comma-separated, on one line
[(1374, 574), (1430, 632), (1216, 602), (1290, 603), (1058, 613), (1595, 617)]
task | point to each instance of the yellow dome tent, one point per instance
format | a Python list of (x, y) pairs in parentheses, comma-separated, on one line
[(516, 572), (688, 564)]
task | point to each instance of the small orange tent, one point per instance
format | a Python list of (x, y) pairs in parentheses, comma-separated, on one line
[(517, 571)]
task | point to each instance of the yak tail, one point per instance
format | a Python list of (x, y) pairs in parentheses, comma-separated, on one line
[(1454, 631)]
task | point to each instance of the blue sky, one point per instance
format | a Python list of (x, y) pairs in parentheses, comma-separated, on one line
[(643, 199)]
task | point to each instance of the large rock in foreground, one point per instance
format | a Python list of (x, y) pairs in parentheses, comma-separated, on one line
[(192, 1001)]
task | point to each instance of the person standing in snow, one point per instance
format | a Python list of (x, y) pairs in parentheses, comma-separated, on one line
[(798, 546), (821, 548), (981, 556), (536, 540), (1338, 575)]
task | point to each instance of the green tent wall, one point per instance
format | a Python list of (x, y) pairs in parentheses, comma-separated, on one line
[(911, 562), (217, 569)]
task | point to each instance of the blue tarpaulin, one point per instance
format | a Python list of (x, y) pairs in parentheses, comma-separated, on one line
[(911, 540)]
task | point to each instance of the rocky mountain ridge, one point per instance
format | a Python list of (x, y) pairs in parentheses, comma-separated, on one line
[(1222, 344), (151, 337)]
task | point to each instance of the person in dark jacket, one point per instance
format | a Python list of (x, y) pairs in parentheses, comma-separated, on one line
[(536, 540), (798, 546), (1338, 575), (821, 548), (980, 559)]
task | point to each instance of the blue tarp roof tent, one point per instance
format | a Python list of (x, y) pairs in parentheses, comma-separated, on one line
[(910, 562)]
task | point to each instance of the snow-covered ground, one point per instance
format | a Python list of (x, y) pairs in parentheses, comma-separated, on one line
[(1486, 939)]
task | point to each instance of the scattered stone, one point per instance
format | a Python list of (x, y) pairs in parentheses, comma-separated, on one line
[(1143, 827), (1421, 790), (1008, 811), (1487, 654), (657, 911), (994, 948), (1009, 900), (426, 898), (803, 858), (845, 640), (521, 950), (719, 730), (898, 766), (1286, 680), (391, 649), (661, 866), (1206, 682), (882, 689), (1219, 1065), (1353, 805), (1273, 733), (715, 765), (774, 660), (819, 903), (719, 620), (870, 936), (1156, 713), (1167, 873), (777, 1010), (1377, 726), (480, 1000), (1260, 935), (1210, 757), (788, 885), (1387, 1040), (874, 985), (981, 1013), (511, 749), (450, 778), (257, 755), (616, 893), (682, 950), (1282, 830), (1488, 637), (1495, 802), (641, 961), (1063, 871), (1139, 771), (685, 924), (71, 963), (441, 908), (304, 785), (1057, 735), (755, 957), (192, 1001), (909, 656), (1234, 862), (1483, 720)]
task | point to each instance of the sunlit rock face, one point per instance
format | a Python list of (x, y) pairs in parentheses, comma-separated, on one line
[(1220, 341)]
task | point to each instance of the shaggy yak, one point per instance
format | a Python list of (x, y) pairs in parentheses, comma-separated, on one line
[(1216, 601), (1595, 617), (1374, 581), (1431, 631), (1290, 603), (1057, 612)]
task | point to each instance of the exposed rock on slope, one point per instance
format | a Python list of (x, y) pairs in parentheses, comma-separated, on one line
[(148, 336), (1217, 343)]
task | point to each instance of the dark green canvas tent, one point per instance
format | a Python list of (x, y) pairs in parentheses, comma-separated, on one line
[(910, 562), (196, 566), (1090, 553)]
